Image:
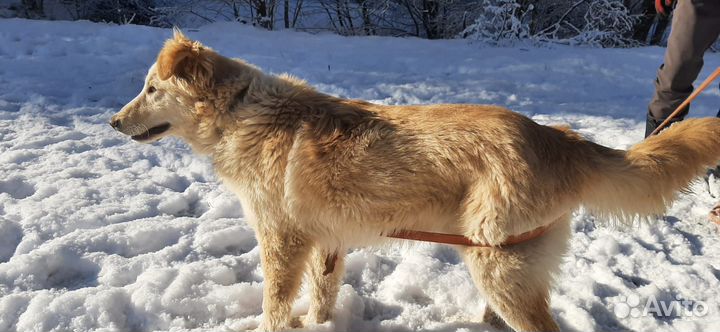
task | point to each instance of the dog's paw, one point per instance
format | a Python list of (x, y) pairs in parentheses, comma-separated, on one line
[(260, 328), (298, 322), (312, 319), (266, 327)]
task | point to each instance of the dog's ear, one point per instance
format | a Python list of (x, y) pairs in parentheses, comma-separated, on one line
[(186, 59)]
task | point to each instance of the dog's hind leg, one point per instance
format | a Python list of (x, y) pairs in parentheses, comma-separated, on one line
[(284, 256), (516, 280), (325, 287)]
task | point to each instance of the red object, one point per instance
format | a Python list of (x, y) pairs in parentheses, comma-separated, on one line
[(663, 7)]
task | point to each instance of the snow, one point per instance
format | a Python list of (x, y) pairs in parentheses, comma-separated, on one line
[(99, 233)]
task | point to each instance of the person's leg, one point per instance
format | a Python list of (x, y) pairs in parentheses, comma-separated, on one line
[(695, 26)]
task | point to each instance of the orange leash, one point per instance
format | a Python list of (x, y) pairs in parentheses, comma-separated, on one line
[(687, 101)]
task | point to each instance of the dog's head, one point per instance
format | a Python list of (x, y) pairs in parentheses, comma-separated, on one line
[(172, 98)]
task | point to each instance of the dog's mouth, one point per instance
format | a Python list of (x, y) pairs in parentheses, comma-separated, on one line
[(152, 132)]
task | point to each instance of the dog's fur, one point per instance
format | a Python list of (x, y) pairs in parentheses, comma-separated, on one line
[(318, 174)]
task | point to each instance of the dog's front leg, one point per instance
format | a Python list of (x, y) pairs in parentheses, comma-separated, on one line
[(284, 256), (326, 271)]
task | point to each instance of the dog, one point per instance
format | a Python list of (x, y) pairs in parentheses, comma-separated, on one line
[(317, 175)]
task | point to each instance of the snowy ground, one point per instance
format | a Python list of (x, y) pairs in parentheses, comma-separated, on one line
[(101, 233)]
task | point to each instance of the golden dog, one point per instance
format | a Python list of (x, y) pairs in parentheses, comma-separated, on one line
[(317, 175)]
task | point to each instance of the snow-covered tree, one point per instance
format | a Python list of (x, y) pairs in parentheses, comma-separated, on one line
[(602, 23), (500, 21)]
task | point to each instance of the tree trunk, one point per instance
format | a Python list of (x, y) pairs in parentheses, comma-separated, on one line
[(296, 14), (527, 13), (340, 17), (430, 15), (367, 23), (286, 13), (236, 11), (33, 8), (271, 15), (411, 12), (265, 13), (348, 14)]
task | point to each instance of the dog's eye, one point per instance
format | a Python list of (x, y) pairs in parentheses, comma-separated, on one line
[(151, 89)]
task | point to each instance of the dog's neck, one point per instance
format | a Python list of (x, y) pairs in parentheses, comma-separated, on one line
[(262, 114), (217, 109), (246, 98), (268, 118)]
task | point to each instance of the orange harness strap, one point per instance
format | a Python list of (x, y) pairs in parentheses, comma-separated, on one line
[(464, 241), (443, 238)]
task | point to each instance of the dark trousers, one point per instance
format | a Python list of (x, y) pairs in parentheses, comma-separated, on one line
[(695, 26)]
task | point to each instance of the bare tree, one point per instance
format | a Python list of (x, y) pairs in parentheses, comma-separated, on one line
[(286, 13), (123, 12), (296, 12), (262, 13), (430, 18), (33, 8), (340, 15)]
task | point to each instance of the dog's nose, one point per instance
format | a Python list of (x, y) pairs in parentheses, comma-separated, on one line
[(115, 123)]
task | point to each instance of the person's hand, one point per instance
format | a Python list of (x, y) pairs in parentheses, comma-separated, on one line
[(664, 7)]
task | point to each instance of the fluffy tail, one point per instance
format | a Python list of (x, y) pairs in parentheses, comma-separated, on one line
[(644, 180)]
